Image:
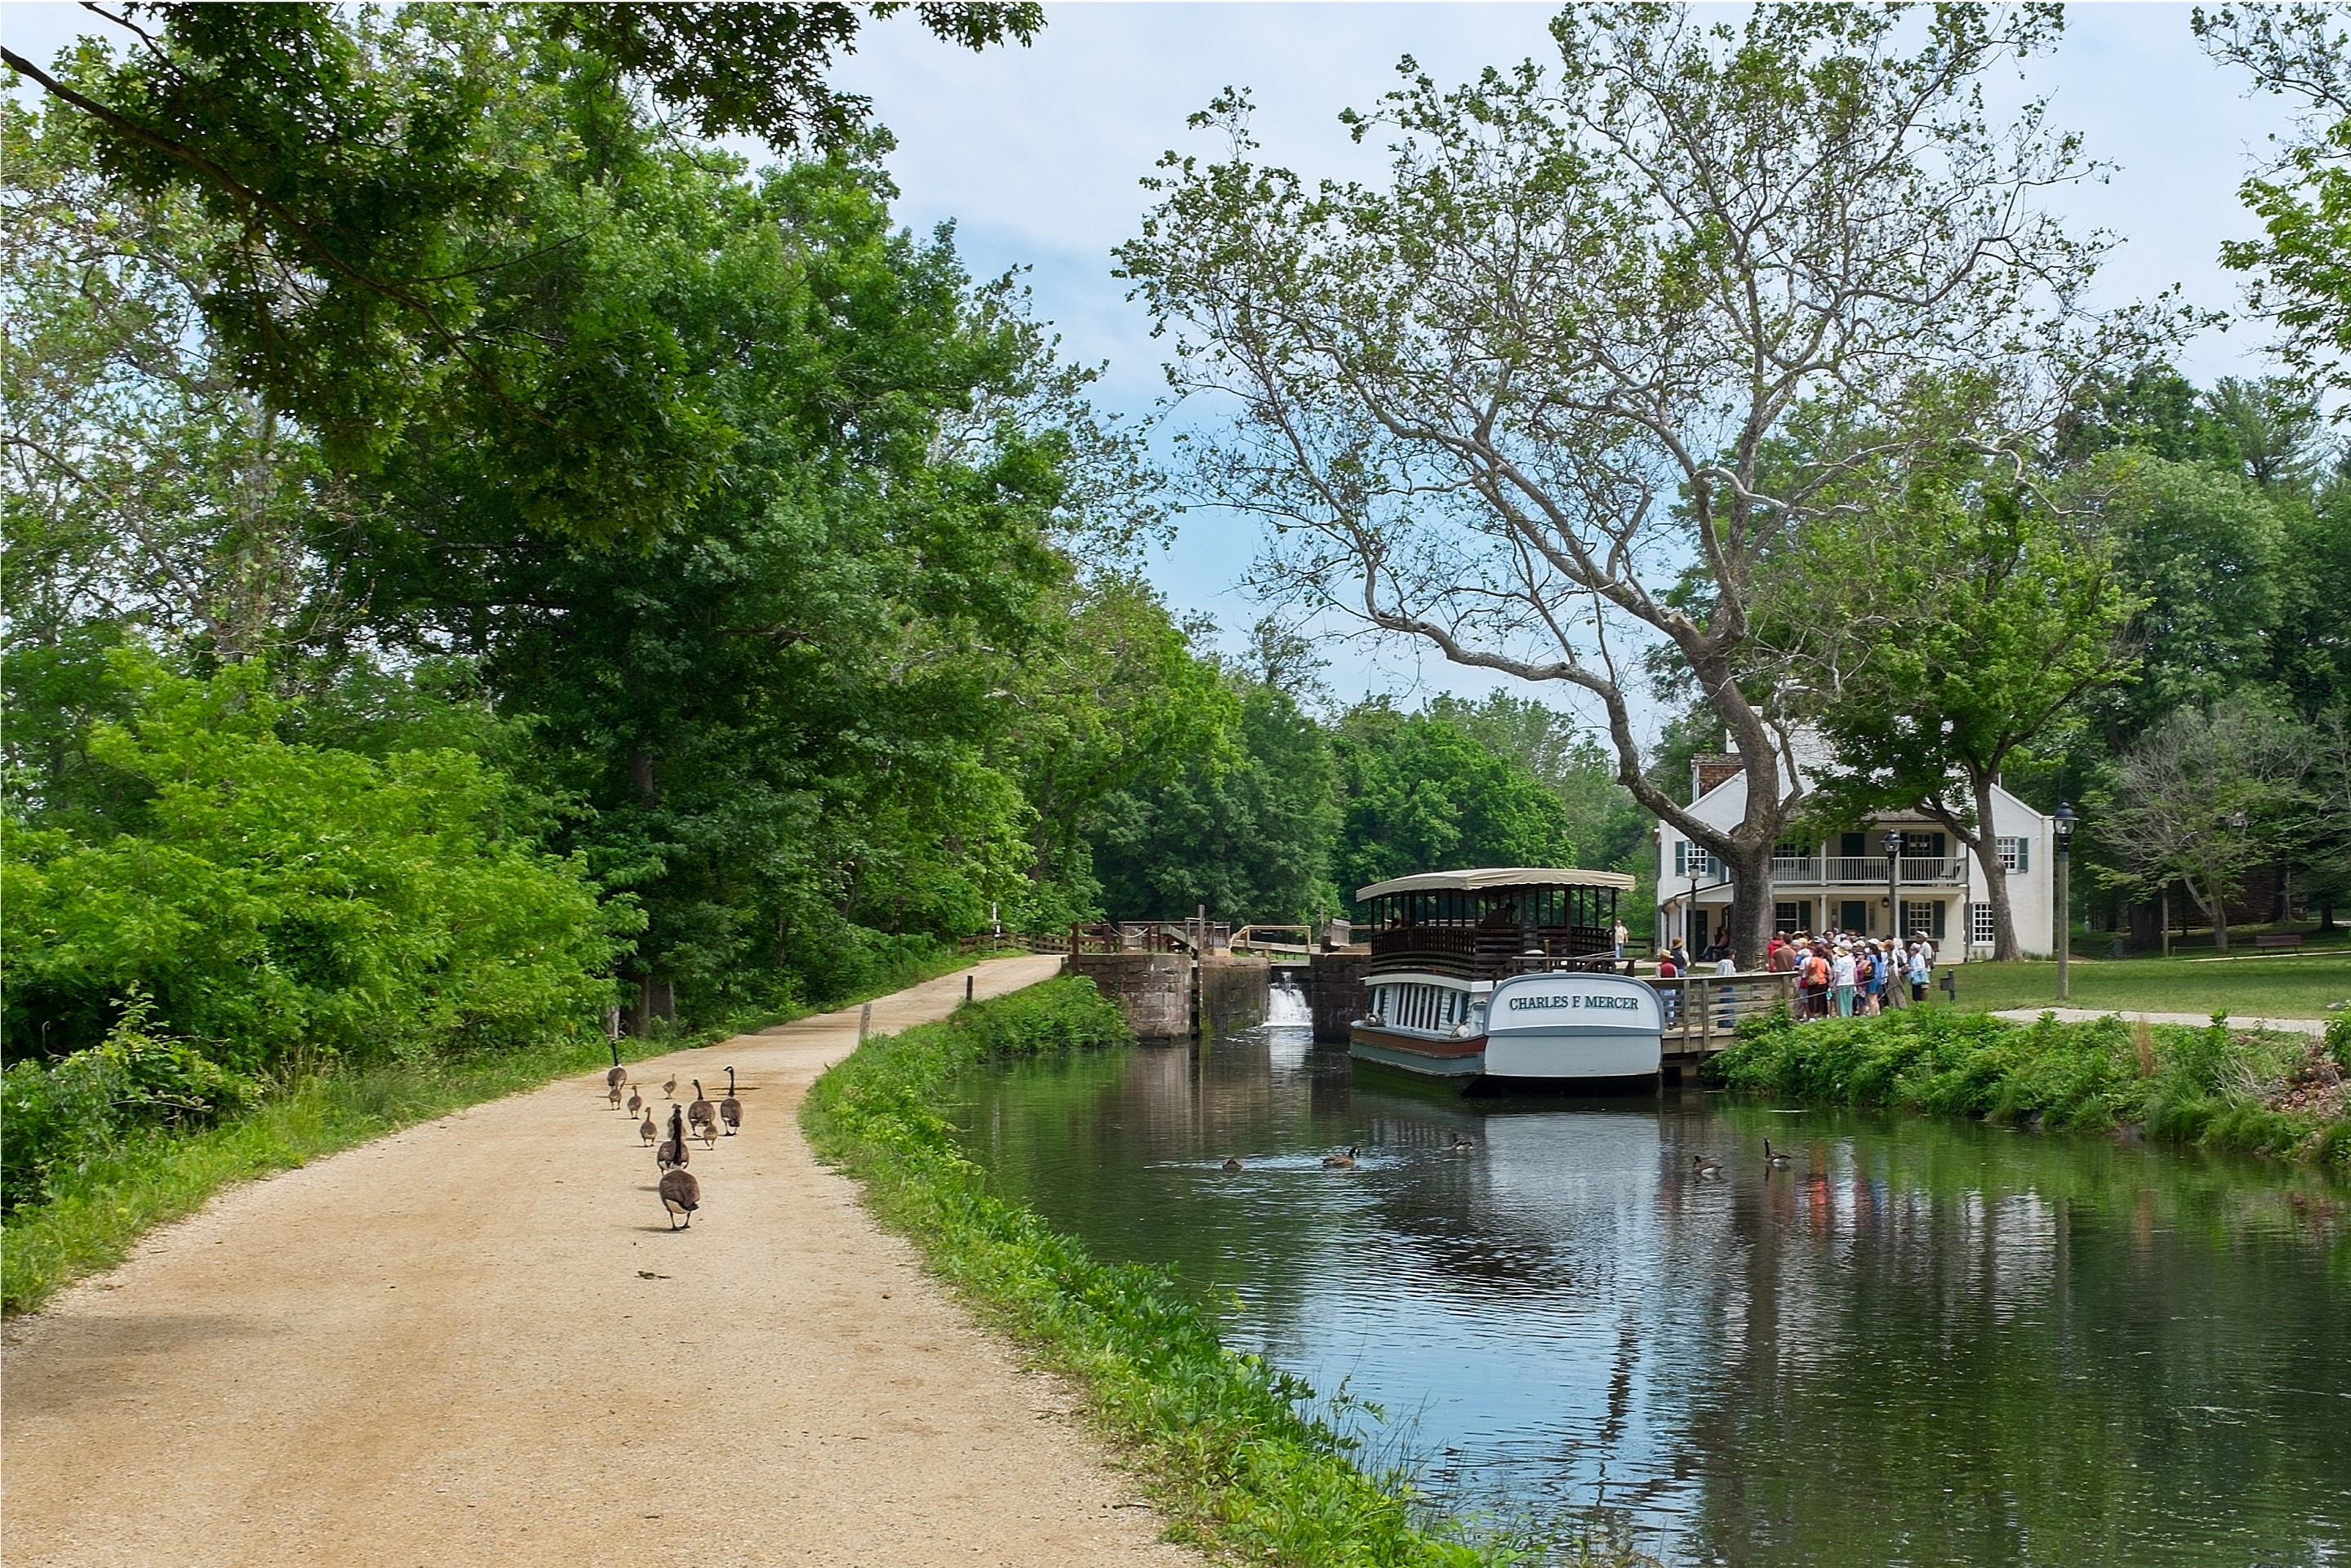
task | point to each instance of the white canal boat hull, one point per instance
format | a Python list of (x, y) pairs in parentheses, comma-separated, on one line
[(1569, 1029)]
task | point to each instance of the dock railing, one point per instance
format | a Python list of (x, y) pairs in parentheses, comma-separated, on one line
[(1703, 1012)]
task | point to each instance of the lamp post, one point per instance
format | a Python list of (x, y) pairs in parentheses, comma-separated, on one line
[(2063, 825), (1892, 844)]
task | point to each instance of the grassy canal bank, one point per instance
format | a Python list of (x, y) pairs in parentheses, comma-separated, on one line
[(99, 1206), (1226, 1443), (2218, 1087)]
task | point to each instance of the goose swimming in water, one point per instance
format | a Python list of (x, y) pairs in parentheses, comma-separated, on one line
[(1776, 1161), (1345, 1162), (1232, 1162), (1462, 1146), (1704, 1168)]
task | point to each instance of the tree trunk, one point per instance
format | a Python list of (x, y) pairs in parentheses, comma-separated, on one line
[(2005, 948), (2216, 910), (1750, 902)]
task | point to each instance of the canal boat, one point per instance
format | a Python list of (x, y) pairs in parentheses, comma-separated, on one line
[(1505, 975)]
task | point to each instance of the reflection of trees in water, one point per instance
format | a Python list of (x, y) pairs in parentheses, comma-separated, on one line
[(2093, 1348)]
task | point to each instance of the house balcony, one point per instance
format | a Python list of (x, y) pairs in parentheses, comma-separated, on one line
[(1866, 871)]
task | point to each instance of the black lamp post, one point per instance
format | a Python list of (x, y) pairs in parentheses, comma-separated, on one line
[(2064, 821), (1892, 844)]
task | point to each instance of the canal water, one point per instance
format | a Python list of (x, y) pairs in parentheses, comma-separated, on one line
[(1919, 1342)]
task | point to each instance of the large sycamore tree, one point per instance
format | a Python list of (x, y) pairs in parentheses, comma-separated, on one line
[(1523, 400)]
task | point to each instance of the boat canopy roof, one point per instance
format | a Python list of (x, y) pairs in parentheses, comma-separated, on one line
[(1496, 877)]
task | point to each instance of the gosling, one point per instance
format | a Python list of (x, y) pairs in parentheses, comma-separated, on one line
[(646, 1130), (669, 1089), (612, 1095), (672, 1149), (681, 1195), (636, 1101), (1345, 1162)]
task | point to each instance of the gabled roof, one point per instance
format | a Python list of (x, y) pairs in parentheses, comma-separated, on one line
[(1496, 876)]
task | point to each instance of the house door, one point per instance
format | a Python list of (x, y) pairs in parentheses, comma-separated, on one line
[(1853, 915)]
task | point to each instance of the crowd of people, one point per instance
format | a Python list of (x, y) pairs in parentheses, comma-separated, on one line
[(1839, 974)]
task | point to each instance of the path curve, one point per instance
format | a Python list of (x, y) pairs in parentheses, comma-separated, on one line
[(475, 1341)]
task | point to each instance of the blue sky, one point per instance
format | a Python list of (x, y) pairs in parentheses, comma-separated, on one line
[(1036, 155)]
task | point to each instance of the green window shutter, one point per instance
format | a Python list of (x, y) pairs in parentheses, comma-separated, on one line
[(1681, 857), (2023, 854)]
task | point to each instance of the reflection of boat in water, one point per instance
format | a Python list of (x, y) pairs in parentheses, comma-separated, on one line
[(1505, 975)]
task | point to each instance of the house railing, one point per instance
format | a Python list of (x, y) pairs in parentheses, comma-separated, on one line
[(1866, 871)]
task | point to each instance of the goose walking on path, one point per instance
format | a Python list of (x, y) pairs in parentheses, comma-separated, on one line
[(636, 1101), (672, 1149), (646, 1130), (1345, 1162), (620, 1074), (702, 1113), (669, 1090), (730, 1110), (612, 1096), (681, 1195)]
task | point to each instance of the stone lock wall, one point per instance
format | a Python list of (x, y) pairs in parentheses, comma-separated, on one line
[(1153, 989), (1336, 991), (1233, 993)]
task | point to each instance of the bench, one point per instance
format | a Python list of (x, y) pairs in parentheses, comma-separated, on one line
[(2278, 939)]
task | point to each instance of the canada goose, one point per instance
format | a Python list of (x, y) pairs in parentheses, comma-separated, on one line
[(1705, 1169), (646, 1130), (612, 1096), (1776, 1161), (672, 1149), (620, 1074), (636, 1101), (701, 1111), (1462, 1146), (1231, 1165), (1345, 1162), (680, 1194), (669, 1089), (730, 1110)]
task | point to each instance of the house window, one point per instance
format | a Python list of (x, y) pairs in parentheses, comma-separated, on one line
[(1922, 846), (1980, 925), (1788, 917), (2014, 855), (1690, 860), (1922, 916)]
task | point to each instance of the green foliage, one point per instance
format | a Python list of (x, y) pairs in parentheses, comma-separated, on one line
[(282, 903), (1421, 795), (1222, 1437), (1249, 835), (2205, 1086)]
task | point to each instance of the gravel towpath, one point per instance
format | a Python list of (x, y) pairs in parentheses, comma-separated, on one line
[(2086, 1015), (477, 1341)]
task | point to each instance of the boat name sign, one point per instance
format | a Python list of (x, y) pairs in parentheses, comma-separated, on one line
[(1579, 999)]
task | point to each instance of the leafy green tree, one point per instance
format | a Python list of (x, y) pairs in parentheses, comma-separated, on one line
[(2203, 798), (380, 258), (1952, 629), (2302, 279), (1418, 794), (1497, 402), (2198, 551), (282, 904), (1248, 834)]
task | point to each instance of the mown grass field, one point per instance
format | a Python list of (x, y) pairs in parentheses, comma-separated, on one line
[(2246, 987)]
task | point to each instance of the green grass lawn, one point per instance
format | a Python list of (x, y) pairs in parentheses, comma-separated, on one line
[(2243, 987)]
